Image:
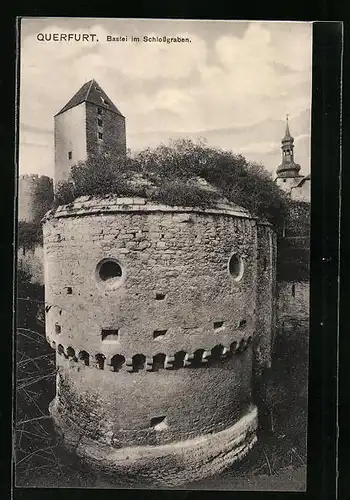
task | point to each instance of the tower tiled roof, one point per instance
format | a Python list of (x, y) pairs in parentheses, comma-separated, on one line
[(93, 93), (287, 136), (303, 179)]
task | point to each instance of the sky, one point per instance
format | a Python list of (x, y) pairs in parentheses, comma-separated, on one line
[(232, 85)]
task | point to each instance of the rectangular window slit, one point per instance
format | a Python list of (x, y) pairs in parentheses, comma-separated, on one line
[(160, 296), (159, 423), (69, 290), (99, 122), (99, 111), (109, 335), (159, 333), (218, 324), (57, 329), (70, 155), (100, 135)]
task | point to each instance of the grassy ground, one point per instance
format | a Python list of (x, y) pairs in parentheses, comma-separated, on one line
[(278, 461)]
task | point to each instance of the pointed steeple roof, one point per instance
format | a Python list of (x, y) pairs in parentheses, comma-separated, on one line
[(287, 136), (93, 93)]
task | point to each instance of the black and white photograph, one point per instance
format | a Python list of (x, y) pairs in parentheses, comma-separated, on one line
[(162, 259)]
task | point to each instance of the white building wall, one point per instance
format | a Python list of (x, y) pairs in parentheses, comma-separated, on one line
[(302, 192), (70, 135)]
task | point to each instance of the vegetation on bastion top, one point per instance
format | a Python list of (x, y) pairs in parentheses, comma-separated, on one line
[(179, 173)]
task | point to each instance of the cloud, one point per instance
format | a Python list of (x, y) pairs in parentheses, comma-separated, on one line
[(253, 78), (258, 148), (36, 130)]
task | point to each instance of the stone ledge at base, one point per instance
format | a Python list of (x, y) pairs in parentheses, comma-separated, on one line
[(167, 465)]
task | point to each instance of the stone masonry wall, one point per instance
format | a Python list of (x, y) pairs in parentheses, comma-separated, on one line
[(293, 305), (293, 270), (266, 292), (174, 330), (112, 129)]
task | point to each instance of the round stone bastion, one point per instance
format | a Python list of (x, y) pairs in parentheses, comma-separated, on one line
[(158, 315)]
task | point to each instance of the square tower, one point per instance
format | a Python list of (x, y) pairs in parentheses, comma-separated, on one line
[(87, 125)]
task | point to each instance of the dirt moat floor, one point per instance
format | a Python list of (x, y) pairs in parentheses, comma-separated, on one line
[(276, 463)]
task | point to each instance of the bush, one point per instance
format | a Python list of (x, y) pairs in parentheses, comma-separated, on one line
[(29, 234), (168, 172), (178, 192)]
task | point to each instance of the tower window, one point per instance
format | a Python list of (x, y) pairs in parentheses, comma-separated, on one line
[(99, 111), (293, 290), (159, 423), (236, 267), (242, 323), (70, 155), (109, 269), (218, 324), (100, 135), (160, 296), (159, 333), (117, 362), (84, 356), (100, 361), (108, 273), (99, 122), (109, 335)]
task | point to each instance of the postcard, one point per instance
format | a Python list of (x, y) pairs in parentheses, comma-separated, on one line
[(162, 317)]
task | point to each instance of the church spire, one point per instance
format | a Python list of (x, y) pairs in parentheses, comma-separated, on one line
[(288, 167), (287, 135)]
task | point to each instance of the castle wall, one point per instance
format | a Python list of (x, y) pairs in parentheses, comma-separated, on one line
[(70, 135), (112, 129), (266, 291), (118, 408), (293, 305), (35, 196), (32, 260), (186, 261), (176, 297), (293, 270)]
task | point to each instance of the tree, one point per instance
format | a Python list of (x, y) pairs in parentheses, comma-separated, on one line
[(29, 234)]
